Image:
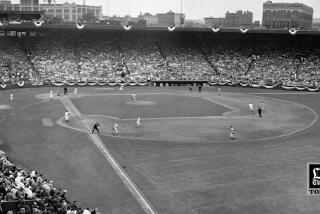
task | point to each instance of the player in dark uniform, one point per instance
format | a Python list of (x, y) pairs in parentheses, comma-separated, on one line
[(200, 88), (260, 112), (95, 127), (65, 90)]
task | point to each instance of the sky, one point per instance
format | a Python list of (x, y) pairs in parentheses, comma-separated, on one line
[(194, 9)]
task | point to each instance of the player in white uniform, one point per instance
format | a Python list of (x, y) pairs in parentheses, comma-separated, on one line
[(138, 123), (51, 94), (134, 97), (115, 128), (232, 133), (67, 116), (11, 97), (75, 91), (219, 91), (251, 109)]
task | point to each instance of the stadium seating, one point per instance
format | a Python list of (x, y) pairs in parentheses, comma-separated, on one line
[(14, 64), (25, 192), (162, 57)]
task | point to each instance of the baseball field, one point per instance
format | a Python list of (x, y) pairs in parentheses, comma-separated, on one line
[(181, 159)]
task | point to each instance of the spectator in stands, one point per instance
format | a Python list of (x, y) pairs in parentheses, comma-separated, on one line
[(171, 58), (19, 185)]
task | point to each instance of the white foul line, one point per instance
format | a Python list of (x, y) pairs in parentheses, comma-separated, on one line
[(135, 191)]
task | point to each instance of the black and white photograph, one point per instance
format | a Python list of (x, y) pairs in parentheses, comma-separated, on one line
[(159, 106)]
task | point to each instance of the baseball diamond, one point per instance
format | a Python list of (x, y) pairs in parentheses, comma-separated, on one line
[(194, 159), (159, 114)]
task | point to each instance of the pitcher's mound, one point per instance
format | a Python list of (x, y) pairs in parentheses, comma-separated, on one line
[(4, 107), (141, 103)]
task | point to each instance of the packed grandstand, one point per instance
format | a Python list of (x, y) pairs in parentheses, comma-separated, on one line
[(256, 60)]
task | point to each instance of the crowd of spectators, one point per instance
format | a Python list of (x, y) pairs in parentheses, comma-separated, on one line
[(267, 64), (164, 58), (143, 59), (23, 192), (228, 62), (309, 68), (185, 61), (53, 59), (99, 59), (138, 59), (64, 60), (14, 64)]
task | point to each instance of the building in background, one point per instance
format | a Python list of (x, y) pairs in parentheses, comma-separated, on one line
[(69, 12), (24, 5), (6, 5), (170, 19), (256, 23), (18, 13), (286, 15), (214, 22), (238, 19), (123, 20), (316, 23), (194, 23), (3, 2), (150, 19), (72, 12), (29, 5)]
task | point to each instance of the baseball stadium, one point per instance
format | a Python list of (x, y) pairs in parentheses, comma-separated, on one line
[(208, 120)]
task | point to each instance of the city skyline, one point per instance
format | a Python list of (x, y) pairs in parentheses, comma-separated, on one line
[(193, 9)]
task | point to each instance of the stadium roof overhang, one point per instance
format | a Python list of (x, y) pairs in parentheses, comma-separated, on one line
[(96, 27)]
